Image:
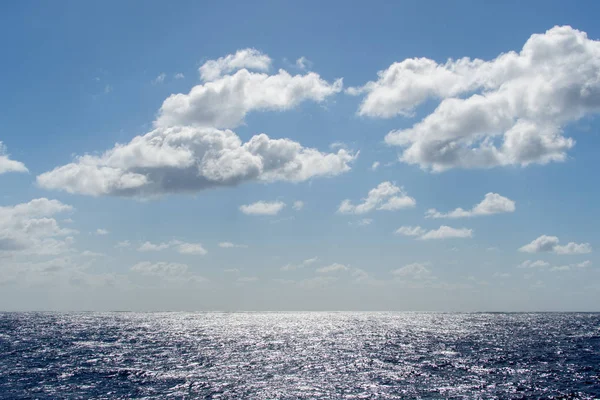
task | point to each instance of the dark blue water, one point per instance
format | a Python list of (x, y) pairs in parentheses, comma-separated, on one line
[(299, 355)]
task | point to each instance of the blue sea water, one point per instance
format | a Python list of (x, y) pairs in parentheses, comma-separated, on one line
[(299, 355)]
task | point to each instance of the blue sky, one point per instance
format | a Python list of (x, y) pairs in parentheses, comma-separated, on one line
[(467, 103)]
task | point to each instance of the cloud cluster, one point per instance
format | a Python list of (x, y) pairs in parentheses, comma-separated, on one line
[(31, 228), (386, 196), (443, 232), (190, 148), (188, 159), (547, 244), (8, 165), (263, 208), (493, 203), (507, 111)]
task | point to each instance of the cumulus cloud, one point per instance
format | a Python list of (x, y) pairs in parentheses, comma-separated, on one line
[(507, 111), (573, 248), (159, 79), (386, 196), (190, 248), (189, 150), (333, 268), (123, 244), (179, 75), (571, 267), (167, 271), (533, 264), (179, 246), (189, 159), (416, 271), (298, 205), (411, 231), (31, 228), (101, 232), (148, 246), (546, 243), (246, 58), (229, 245), (493, 203), (443, 232), (224, 102), (293, 267), (375, 165), (8, 165), (160, 268), (303, 63), (263, 208)]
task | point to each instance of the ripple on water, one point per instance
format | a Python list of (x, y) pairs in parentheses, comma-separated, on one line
[(299, 355)]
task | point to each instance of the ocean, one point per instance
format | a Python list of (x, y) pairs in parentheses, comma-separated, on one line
[(304, 355)]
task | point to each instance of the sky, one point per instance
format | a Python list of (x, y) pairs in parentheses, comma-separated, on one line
[(311, 156)]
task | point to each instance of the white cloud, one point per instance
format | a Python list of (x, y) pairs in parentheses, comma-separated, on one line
[(123, 244), (293, 267), (386, 196), (162, 269), (571, 267), (190, 248), (443, 232), (507, 111), (8, 165), (546, 243), (533, 264), (501, 275), (410, 231), (147, 246), (159, 79), (573, 248), (31, 228), (223, 101), (179, 246), (375, 165), (365, 222), (229, 245), (263, 208), (493, 203), (187, 153), (333, 268), (167, 271), (298, 205), (416, 271), (246, 58), (303, 63), (447, 232), (187, 159), (101, 232), (179, 75)]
